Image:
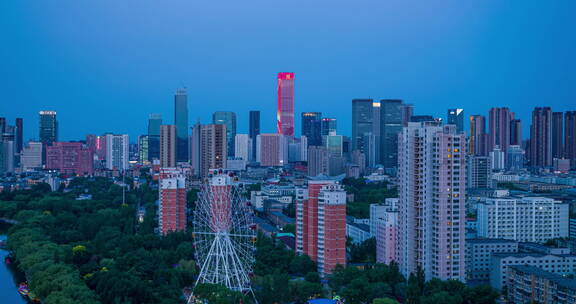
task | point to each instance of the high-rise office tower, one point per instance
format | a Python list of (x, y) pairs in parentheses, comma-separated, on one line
[(243, 146), (181, 122), (2, 125), (100, 151), (456, 117), (213, 148), (48, 127), (478, 171), (390, 126), (7, 155), (312, 127), (497, 158), (228, 119), (19, 135), (285, 113), (424, 118), (515, 132), (321, 223), (499, 128), (431, 221), (272, 149), (31, 157), (372, 140), (514, 158), (172, 207), (317, 160), (298, 149), (541, 137), (168, 148), (154, 123), (117, 154), (557, 135), (334, 145), (143, 148), (407, 112), (254, 130), (335, 149), (570, 136), (328, 126), (70, 158), (478, 136), (195, 151), (362, 122), (91, 142)]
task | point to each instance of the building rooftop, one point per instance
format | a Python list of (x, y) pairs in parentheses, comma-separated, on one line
[(364, 227), (487, 241), (520, 254), (283, 216), (558, 279), (323, 177)]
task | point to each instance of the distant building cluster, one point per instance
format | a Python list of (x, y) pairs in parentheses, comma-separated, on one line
[(476, 201)]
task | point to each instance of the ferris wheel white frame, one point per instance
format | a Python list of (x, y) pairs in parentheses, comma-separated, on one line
[(224, 237)]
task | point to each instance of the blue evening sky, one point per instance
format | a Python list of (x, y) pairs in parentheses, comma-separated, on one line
[(104, 65)]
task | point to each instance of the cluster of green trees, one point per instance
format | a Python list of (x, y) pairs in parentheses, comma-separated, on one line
[(364, 195), (384, 284), (364, 252), (95, 251), (282, 276)]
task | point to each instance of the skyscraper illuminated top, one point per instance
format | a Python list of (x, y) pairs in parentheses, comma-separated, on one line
[(48, 127), (285, 115)]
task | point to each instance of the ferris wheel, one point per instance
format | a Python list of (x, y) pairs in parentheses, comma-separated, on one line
[(224, 235)]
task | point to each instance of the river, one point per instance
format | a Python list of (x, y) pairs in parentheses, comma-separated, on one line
[(8, 287)]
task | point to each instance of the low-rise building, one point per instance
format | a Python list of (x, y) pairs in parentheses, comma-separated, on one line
[(357, 231), (529, 284), (387, 237), (526, 219), (478, 257), (562, 264)]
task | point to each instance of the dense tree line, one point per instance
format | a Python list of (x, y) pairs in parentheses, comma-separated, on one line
[(94, 251), (384, 284), (364, 195), (282, 276)]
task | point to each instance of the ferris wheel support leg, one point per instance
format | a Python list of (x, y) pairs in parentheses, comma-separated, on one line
[(200, 276)]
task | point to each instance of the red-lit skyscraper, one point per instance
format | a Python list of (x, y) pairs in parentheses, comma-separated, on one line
[(285, 113)]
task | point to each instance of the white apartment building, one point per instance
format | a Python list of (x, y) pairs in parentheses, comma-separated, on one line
[(117, 155), (377, 211), (479, 254), (527, 219), (561, 264), (31, 157), (432, 192), (242, 146)]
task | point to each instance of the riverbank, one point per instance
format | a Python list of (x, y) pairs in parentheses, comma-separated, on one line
[(9, 279)]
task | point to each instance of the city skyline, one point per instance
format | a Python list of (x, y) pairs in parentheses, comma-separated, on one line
[(395, 152), (485, 55)]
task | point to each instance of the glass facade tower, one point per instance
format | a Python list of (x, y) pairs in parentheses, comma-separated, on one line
[(311, 127), (228, 119), (181, 122)]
